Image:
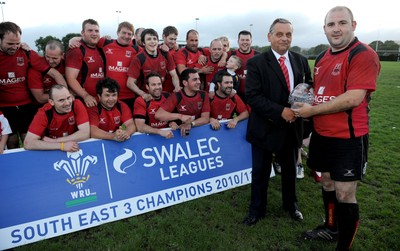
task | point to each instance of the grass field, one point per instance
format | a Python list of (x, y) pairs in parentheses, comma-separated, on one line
[(214, 222)]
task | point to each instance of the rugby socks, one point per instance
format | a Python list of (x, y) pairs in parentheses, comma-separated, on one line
[(330, 203), (348, 219)]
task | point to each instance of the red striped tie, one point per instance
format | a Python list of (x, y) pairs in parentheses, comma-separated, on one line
[(284, 70)]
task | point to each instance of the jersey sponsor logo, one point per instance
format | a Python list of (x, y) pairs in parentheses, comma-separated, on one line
[(12, 80), (158, 124), (318, 99), (109, 51), (20, 61), (71, 120), (336, 69), (117, 68), (321, 90), (124, 161), (99, 74), (117, 120)]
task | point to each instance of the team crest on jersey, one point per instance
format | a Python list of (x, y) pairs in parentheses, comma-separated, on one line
[(199, 105), (91, 60), (109, 51), (162, 65), (20, 61), (336, 70), (117, 120), (71, 120), (228, 107), (128, 54)]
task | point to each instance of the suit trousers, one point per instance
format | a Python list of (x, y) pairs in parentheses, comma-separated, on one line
[(261, 170)]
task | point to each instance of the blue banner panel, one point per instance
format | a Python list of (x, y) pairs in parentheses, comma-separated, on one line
[(50, 193)]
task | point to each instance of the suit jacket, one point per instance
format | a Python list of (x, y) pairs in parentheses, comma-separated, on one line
[(267, 94)]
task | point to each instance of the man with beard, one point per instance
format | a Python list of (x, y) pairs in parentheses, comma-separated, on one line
[(224, 106), (59, 124), (144, 111), (15, 97), (111, 119), (191, 106)]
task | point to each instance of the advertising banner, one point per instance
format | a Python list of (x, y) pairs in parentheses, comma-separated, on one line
[(50, 193)]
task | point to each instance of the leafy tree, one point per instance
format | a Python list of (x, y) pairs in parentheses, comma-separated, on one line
[(66, 38), (296, 49), (42, 41)]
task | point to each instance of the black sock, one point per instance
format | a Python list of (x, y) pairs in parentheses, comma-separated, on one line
[(348, 219), (330, 203)]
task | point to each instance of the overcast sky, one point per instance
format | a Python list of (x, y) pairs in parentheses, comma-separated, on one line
[(377, 20)]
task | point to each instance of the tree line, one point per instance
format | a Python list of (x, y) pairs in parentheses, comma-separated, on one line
[(387, 51)]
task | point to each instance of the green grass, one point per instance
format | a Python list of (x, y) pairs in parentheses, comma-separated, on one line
[(214, 222)]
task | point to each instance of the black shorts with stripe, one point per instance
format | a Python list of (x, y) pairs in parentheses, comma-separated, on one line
[(344, 159)]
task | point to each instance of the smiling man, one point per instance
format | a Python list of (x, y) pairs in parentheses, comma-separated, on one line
[(110, 119), (59, 124)]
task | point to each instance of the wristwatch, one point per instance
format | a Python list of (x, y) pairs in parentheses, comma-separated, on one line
[(193, 124)]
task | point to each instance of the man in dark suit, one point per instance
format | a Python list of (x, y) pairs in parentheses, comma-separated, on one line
[(273, 127)]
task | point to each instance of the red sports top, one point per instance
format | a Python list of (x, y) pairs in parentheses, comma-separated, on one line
[(109, 120), (146, 111), (14, 75), (209, 77), (118, 59), (188, 58), (242, 71), (192, 106), (333, 75), (168, 86), (143, 63), (90, 66), (224, 108), (61, 125), (36, 80)]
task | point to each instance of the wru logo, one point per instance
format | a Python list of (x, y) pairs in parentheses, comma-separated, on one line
[(76, 168)]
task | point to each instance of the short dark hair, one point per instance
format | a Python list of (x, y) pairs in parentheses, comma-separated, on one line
[(191, 31), (7, 27), (109, 83), (219, 77), (185, 73), (170, 30), (245, 33), (89, 21), (151, 32), (153, 74)]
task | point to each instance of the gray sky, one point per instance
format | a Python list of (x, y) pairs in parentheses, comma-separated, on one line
[(376, 19)]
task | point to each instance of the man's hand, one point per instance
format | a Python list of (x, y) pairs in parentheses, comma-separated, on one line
[(121, 135), (185, 129), (146, 97), (90, 101), (288, 115), (166, 134), (231, 123), (303, 110), (215, 125)]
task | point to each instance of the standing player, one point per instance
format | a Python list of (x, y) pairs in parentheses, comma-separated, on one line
[(111, 119), (244, 52), (151, 59), (15, 98), (190, 106), (170, 34), (345, 77), (59, 124), (144, 111), (85, 65), (224, 106)]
